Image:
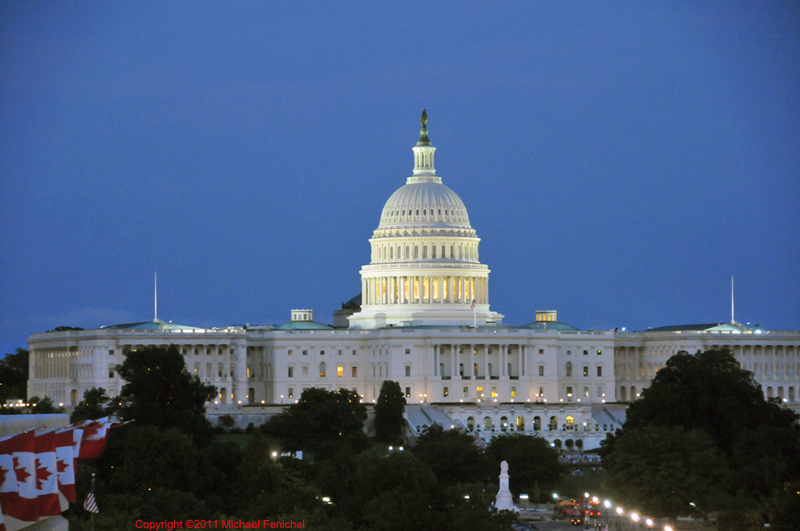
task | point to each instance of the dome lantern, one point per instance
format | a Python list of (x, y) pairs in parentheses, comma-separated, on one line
[(423, 155)]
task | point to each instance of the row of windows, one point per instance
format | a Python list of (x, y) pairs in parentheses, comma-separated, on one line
[(402, 213), (321, 352), (599, 370), (322, 371), (391, 252), (586, 391)]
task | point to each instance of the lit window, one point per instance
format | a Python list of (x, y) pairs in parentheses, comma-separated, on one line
[(322, 370), (354, 371), (408, 392), (513, 392), (585, 391), (446, 392), (291, 352), (340, 371), (541, 370), (494, 392), (599, 352), (585, 370), (569, 390), (291, 392)]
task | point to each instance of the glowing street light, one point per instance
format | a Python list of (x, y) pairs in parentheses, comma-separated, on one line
[(649, 522), (668, 528), (620, 511), (634, 517), (607, 504)]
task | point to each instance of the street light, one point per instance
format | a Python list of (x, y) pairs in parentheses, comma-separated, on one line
[(649, 522)]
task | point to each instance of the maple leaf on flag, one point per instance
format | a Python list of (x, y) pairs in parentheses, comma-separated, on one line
[(22, 473), (3, 473), (61, 466), (42, 474)]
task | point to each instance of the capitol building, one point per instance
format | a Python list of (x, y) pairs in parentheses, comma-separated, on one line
[(423, 318)]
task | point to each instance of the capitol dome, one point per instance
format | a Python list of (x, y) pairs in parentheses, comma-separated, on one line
[(424, 203), (424, 268)]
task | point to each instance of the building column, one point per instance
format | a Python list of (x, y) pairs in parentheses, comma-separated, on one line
[(240, 358), (472, 362)]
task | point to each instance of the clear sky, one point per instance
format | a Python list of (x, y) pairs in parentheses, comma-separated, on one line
[(620, 160)]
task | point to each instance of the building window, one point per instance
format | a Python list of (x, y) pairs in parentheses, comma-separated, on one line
[(408, 392), (305, 371), (340, 352), (408, 371), (354, 353), (569, 368), (340, 371), (541, 351), (569, 353), (111, 352), (569, 390), (479, 390), (321, 352), (541, 370), (586, 391), (541, 391), (599, 352), (291, 392), (408, 351), (494, 392), (553, 425), (354, 371), (291, 352), (111, 373), (599, 371), (537, 423), (600, 391), (513, 392), (446, 392), (585, 370), (305, 353), (585, 352), (465, 392), (322, 370), (570, 422), (290, 372), (249, 374)]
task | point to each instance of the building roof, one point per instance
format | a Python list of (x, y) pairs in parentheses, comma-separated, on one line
[(355, 302), (156, 324), (302, 325), (708, 327), (551, 325)]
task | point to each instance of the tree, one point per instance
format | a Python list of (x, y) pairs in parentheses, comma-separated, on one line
[(452, 455), (14, 375), (663, 470), (531, 461), (95, 405), (159, 391), (41, 406), (389, 421), (707, 391), (708, 395), (320, 422)]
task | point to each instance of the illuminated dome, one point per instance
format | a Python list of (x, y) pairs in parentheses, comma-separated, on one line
[(424, 268)]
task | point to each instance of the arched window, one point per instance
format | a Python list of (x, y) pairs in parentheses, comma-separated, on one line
[(520, 423), (223, 395), (579, 445), (444, 255), (557, 444), (470, 423), (487, 423), (568, 444), (251, 396), (570, 422), (408, 251), (424, 252), (504, 423), (452, 254), (416, 252), (553, 425), (537, 423), (73, 396), (569, 369), (433, 252), (322, 370), (633, 393), (391, 253), (622, 394)]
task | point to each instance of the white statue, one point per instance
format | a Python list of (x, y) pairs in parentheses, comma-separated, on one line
[(504, 501)]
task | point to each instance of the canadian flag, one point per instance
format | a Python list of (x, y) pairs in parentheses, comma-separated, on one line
[(94, 438), (68, 443), (18, 479), (47, 475)]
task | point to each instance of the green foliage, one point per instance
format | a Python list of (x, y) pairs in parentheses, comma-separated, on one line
[(706, 406), (159, 391), (95, 404), (43, 406), (663, 469), (321, 422), (389, 421), (452, 455), (531, 461), (14, 375), (226, 421)]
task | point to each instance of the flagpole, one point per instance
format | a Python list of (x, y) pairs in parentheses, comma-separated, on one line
[(92, 517)]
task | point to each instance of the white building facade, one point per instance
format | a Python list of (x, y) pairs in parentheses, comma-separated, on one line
[(425, 322)]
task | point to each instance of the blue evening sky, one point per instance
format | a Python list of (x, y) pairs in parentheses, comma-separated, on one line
[(620, 160)]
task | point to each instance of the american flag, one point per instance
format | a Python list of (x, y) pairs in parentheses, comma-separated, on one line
[(90, 505), (473, 305)]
